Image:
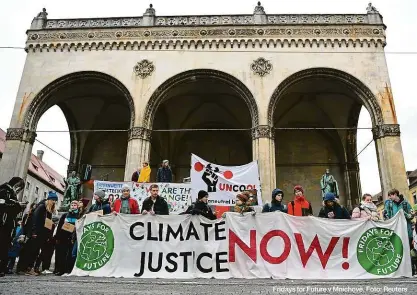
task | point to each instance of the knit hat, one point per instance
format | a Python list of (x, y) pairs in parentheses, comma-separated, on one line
[(298, 188), (329, 197), (125, 187), (101, 194), (52, 196), (202, 194), (277, 191), (243, 197), (165, 161)]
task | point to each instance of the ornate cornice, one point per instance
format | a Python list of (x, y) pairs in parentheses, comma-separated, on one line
[(380, 131), (206, 38), (263, 131), (140, 133), (21, 135)]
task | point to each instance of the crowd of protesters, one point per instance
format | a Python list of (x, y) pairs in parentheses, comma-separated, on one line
[(39, 234)]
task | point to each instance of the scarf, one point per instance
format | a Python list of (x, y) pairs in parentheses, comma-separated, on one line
[(242, 208), (125, 208), (369, 206), (72, 216), (300, 203), (145, 174)]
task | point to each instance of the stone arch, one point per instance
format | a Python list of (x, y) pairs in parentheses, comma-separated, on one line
[(355, 85), (161, 93), (44, 99)]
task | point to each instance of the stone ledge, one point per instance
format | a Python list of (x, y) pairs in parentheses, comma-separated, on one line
[(21, 135), (262, 131), (380, 131), (140, 133)]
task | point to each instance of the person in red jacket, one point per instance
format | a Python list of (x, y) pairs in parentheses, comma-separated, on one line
[(300, 206), (126, 204)]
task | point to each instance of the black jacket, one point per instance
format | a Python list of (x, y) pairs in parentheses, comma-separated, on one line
[(339, 212), (63, 236), (164, 174), (39, 217), (160, 207), (201, 208), (9, 206)]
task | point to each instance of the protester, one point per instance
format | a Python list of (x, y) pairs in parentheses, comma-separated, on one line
[(276, 202), (332, 209), (41, 230), (395, 203), (126, 204), (243, 205), (367, 209), (9, 209), (18, 241), (145, 173), (253, 197), (64, 241), (155, 205), (43, 261), (27, 224), (101, 203), (200, 207), (299, 206), (164, 173), (82, 207)]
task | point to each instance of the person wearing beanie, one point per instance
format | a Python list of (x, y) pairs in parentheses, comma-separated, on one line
[(299, 206), (155, 204), (201, 207), (126, 204), (41, 229), (63, 239), (277, 203), (101, 204), (332, 209), (164, 173), (10, 207), (243, 204)]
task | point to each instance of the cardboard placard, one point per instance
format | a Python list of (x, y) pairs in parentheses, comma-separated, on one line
[(48, 223), (68, 227)]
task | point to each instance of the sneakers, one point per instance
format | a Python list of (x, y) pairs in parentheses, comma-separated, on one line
[(46, 272), (32, 273)]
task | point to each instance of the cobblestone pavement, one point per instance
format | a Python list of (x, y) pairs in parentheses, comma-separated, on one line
[(50, 284)]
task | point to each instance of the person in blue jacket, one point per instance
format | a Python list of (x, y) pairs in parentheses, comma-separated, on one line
[(14, 250)]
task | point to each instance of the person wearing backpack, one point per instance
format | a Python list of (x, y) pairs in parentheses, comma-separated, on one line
[(276, 202), (299, 206)]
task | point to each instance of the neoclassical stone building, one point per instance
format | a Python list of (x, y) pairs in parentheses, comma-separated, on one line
[(285, 90)]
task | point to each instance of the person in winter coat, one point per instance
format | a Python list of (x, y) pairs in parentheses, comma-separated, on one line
[(145, 173), (395, 203), (276, 202), (243, 204), (164, 173), (41, 229), (27, 224), (43, 262), (367, 210), (332, 209), (14, 251), (126, 204), (63, 240), (10, 207), (200, 207), (155, 204), (101, 203), (299, 206)]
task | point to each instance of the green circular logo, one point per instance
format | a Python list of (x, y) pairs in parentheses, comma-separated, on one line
[(380, 251), (96, 246)]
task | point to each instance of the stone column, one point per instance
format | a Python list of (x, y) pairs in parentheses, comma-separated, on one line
[(17, 153), (138, 149), (351, 170), (390, 158), (264, 152)]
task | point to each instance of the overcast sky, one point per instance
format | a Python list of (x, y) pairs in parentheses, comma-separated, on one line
[(399, 16)]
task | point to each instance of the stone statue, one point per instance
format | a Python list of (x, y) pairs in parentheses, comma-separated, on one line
[(328, 184), (371, 9), (259, 9), (43, 14), (72, 185), (150, 11)]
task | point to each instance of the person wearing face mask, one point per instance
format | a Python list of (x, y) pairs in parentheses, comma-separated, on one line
[(367, 209), (299, 206), (63, 240), (276, 202), (126, 204), (395, 203), (101, 203), (10, 207), (332, 209)]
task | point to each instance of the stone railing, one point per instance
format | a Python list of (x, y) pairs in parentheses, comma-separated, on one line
[(222, 20)]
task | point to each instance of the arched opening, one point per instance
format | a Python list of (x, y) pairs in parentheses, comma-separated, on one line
[(313, 107), (201, 99), (90, 101)]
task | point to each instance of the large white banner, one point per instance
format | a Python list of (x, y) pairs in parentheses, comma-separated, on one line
[(177, 195), (263, 246), (223, 183)]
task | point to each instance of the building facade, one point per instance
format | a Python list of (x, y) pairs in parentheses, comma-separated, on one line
[(40, 177), (285, 90)]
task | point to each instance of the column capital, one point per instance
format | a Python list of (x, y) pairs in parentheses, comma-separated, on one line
[(140, 133), (21, 135), (380, 131), (263, 131)]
